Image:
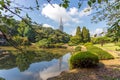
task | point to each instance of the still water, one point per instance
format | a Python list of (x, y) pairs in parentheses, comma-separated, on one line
[(33, 66)]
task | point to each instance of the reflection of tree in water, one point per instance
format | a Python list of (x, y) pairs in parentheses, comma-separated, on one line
[(60, 63), (8, 62), (23, 60)]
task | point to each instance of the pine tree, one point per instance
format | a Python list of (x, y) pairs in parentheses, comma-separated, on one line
[(85, 35), (79, 33)]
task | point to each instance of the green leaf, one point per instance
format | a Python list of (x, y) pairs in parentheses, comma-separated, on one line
[(79, 5), (106, 1), (89, 3), (93, 1), (99, 1), (117, 7), (2, 2)]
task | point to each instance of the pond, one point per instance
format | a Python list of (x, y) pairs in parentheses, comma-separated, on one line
[(33, 66)]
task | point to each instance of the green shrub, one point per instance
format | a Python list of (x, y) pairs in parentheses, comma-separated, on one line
[(117, 49), (83, 60), (43, 43), (103, 55), (78, 48), (21, 40), (74, 40)]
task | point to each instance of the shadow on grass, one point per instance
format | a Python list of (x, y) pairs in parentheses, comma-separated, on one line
[(101, 72)]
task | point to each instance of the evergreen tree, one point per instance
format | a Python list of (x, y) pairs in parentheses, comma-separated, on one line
[(85, 35), (79, 33)]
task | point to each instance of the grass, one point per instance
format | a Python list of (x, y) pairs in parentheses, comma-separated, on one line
[(34, 48), (108, 46), (103, 55)]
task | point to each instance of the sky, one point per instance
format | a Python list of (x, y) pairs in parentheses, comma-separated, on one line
[(72, 17)]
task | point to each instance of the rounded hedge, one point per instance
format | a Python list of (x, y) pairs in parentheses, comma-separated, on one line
[(83, 60), (78, 48)]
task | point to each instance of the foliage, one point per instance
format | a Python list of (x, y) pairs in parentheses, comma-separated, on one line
[(23, 60), (80, 37), (2, 78), (83, 60), (88, 44), (101, 40), (74, 40), (79, 33), (21, 40), (107, 11), (6, 6), (77, 48), (23, 28), (103, 55), (43, 43), (85, 35), (118, 44), (114, 32)]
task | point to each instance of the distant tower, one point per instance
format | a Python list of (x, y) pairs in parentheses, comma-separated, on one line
[(61, 25)]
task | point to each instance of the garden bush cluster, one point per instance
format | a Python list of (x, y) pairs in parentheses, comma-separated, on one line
[(83, 60)]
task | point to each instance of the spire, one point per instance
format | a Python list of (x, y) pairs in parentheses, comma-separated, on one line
[(61, 25)]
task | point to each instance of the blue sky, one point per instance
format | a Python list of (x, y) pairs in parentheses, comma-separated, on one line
[(72, 16)]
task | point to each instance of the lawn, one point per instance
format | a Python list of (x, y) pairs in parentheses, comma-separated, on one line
[(108, 46), (111, 48), (102, 54)]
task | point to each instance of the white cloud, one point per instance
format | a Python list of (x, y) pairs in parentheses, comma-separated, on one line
[(97, 31), (47, 25), (76, 20), (72, 15), (85, 12), (55, 13), (73, 11), (73, 32)]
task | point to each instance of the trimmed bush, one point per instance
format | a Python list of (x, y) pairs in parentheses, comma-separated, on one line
[(103, 55), (83, 60), (78, 48)]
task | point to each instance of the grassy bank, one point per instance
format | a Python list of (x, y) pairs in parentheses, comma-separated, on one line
[(103, 55)]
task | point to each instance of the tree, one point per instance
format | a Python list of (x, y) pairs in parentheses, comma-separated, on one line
[(114, 32), (7, 6), (79, 33), (107, 11), (85, 35), (74, 40)]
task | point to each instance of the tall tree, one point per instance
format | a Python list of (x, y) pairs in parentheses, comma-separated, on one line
[(85, 35), (23, 28), (79, 33)]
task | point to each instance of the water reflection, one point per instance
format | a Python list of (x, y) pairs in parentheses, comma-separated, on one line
[(34, 66)]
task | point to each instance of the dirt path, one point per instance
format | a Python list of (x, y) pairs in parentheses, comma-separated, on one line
[(83, 48), (107, 70)]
